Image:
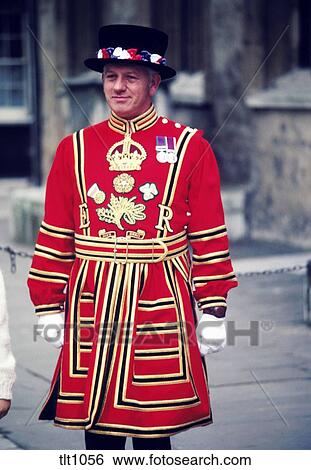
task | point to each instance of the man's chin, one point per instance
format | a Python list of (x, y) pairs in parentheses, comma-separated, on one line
[(121, 108)]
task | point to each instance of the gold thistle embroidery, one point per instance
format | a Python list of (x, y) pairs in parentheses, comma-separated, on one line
[(123, 183), (121, 207), (126, 155)]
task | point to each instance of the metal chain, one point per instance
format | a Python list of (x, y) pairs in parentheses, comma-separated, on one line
[(12, 254), (289, 269), (297, 267)]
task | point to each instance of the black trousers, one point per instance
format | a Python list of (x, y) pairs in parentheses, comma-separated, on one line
[(107, 442)]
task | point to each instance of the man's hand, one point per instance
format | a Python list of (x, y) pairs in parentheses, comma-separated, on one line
[(4, 407), (52, 328), (211, 334)]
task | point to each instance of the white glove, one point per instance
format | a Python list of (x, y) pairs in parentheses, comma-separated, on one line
[(211, 334), (51, 328)]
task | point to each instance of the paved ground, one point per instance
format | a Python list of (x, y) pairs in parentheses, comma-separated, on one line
[(261, 395)]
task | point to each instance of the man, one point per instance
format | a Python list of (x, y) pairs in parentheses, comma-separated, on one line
[(123, 200)]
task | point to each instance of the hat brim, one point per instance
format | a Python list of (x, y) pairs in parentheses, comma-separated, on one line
[(164, 71)]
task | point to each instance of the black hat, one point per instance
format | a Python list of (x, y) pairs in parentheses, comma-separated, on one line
[(132, 45)]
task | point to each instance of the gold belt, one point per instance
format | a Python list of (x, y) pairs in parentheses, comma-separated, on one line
[(125, 250)]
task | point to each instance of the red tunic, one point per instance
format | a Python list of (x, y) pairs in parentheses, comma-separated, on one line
[(130, 364)]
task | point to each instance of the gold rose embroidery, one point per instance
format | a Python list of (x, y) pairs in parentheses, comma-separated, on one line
[(123, 183), (121, 207)]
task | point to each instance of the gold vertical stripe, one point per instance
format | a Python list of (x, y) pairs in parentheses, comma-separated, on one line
[(169, 176), (117, 340), (98, 271), (172, 174), (75, 151), (181, 345), (80, 169), (75, 294), (129, 269), (78, 341), (103, 309), (82, 165), (111, 311), (130, 312), (182, 341), (179, 165)]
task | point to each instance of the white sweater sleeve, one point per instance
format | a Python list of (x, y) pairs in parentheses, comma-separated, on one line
[(7, 361)]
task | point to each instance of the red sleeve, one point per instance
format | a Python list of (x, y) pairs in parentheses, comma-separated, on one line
[(212, 271), (54, 249)]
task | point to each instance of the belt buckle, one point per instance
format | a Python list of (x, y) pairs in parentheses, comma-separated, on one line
[(115, 250), (162, 256)]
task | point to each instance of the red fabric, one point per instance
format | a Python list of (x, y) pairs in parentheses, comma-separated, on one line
[(105, 383)]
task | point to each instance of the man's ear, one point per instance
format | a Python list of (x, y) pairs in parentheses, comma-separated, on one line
[(154, 83)]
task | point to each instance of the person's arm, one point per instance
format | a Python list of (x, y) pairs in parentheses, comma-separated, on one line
[(54, 251), (7, 361), (212, 271)]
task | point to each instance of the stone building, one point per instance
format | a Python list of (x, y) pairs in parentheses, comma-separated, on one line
[(228, 54)]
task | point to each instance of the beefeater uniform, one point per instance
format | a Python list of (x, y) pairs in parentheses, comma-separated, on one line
[(125, 200)]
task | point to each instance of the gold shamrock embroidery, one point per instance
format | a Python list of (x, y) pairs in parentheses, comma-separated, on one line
[(121, 207)]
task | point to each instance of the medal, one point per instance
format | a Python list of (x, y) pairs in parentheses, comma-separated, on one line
[(166, 149)]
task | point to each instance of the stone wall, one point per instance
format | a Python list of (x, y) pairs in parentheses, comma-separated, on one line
[(278, 202), (53, 68), (231, 136)]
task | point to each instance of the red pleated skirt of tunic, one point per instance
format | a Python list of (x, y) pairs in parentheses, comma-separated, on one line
[(130, 364)]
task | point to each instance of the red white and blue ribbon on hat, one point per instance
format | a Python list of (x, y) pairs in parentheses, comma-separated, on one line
[(130, 54)]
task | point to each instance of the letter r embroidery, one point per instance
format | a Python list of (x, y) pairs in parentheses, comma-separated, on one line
[(166, 214)]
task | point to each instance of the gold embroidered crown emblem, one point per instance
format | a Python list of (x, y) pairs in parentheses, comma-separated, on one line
[(126, 155)]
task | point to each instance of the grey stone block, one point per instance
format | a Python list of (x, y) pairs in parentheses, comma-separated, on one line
[(26, 214)]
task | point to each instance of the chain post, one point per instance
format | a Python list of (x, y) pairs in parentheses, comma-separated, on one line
[(307, 295), (12, 255), (309, 273)]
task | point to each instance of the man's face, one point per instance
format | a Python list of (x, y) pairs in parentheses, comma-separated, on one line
[(128, 89)]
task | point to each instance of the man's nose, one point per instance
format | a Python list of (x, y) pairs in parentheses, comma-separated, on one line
[(119, 84)]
